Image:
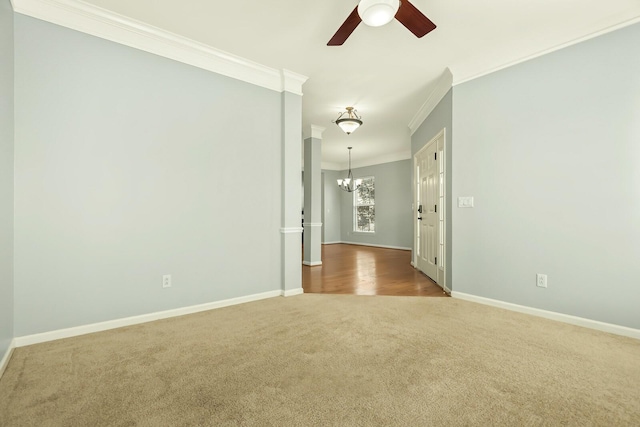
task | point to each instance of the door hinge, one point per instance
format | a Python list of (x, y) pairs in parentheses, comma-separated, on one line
[(435, 208), (436, 261), (435, 156)]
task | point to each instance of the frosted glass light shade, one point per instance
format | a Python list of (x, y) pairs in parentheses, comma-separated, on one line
[(377, 12), (349, 125)]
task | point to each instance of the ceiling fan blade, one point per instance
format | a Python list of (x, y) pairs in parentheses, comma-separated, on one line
[(346, 29), (413, 19)]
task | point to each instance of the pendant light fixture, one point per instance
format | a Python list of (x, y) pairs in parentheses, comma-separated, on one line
[(348, 184), (350, 122)]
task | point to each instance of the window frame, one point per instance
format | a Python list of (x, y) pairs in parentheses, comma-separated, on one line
[(355, 208)]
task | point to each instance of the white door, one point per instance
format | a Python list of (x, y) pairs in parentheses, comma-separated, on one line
[(429, 215)]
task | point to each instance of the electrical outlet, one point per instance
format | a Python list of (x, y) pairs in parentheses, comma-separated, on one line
[(541, 280), (166, 281)]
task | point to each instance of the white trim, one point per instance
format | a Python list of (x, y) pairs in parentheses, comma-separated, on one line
[(444, 83), (547, 51), (560, 317), (312, 224), (7, 357), (292, 292), (287, 230), (331, 243), (134, 320), (292, 82), (108, 25), (312, 263), (313, 131), (402, 248), (442, 133)]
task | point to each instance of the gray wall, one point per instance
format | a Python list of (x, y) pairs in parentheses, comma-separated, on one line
[(550, 149), (393, 206), (6, 176), (331, 206), (440, 118), (129, 166)]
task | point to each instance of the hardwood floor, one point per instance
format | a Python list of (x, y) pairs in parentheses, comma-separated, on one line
[(365, 270)]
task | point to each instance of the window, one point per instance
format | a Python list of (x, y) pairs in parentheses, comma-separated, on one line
[(364, 209)]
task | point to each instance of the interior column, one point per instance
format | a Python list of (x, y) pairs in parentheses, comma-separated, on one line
[(313, 197), (291, 197)]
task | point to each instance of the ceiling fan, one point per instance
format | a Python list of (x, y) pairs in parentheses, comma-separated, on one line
[(379, 12)]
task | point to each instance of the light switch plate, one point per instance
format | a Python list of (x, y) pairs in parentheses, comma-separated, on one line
[(465, 202)]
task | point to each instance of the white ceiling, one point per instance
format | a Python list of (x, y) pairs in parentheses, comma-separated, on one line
[(386, 72)]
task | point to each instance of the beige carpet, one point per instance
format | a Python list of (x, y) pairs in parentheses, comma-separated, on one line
[(330, 360)]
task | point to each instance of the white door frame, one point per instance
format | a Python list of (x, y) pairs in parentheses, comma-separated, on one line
[(445, 199)]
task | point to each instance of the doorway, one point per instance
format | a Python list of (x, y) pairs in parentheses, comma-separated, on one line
[(429, 209)]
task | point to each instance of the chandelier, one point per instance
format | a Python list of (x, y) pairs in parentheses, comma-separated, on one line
[(349, 123), (348, 184)]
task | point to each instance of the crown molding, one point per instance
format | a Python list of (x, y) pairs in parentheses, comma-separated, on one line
[(473, 76), (331, 166), (96, 21), (386, 158), (292, 82), (372, 161), (444, 83)]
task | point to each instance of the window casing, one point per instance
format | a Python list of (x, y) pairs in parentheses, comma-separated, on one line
[(364, 209)]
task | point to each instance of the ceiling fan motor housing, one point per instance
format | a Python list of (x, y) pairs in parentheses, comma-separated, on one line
[(377, 12)]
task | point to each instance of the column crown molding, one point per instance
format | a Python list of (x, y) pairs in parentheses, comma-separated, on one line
[(314, 131), (96, 21), (292, 82)]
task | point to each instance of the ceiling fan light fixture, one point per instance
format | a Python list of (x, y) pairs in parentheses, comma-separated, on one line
[(376, 13), (349, 123)]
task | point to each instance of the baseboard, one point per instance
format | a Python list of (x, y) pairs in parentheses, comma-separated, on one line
[(292, 292), (7, 357), (560, 317), (134, 320), (376, 246), (331, 243), (312, 263)]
